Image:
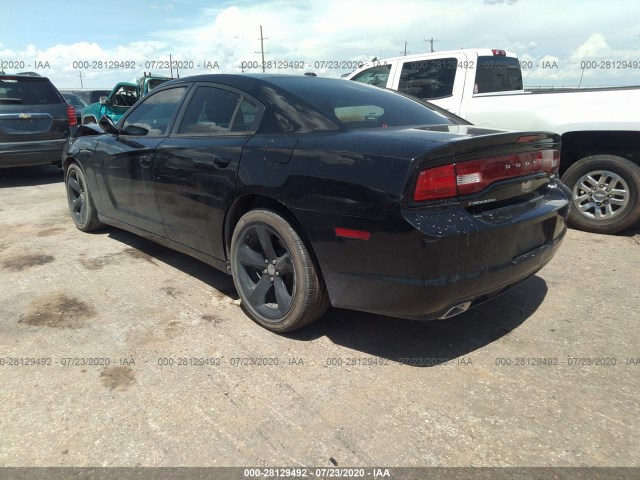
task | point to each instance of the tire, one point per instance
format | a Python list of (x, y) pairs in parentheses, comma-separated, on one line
[(81, 206), (276, 278), (605, 193)]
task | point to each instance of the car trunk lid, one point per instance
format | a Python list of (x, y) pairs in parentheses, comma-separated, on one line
[(483, 169)]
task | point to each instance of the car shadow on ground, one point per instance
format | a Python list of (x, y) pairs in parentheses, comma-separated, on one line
[(180, 261), (415, 343), (424, 344), (30, 176)]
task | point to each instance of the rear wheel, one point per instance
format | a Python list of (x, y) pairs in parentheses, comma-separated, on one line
[(274, 273), (81, 206), (605, 192)]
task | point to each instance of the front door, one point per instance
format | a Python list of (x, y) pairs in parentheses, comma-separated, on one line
[(129, 161)]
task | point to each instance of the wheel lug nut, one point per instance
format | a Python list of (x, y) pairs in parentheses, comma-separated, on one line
[(608, 189), (272, 279), (601, 186), (277, 274), (274, 262), (610, 196), (598, 203), (266, 261), (264, 271)]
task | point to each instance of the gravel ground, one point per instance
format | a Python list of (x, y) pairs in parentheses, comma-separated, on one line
[(115, 351)]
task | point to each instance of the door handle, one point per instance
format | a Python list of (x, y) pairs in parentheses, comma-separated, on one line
[(221, 162), (145, 160)]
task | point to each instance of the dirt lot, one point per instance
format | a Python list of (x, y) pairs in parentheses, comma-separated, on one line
[(117, 352)]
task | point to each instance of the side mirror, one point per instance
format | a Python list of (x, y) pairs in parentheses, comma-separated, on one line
[(103, 100), (107, 125), (135, 130)]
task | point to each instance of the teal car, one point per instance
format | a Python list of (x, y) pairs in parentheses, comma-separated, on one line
[(120, 99)]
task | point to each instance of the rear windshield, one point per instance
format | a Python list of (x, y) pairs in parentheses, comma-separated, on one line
[(27, 91), (355, 105), (497, 74)]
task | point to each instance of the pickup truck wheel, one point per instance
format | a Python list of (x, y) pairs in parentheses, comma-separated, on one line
[(605, 191), (278, 283)]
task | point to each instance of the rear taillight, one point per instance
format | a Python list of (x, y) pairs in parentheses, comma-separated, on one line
[(500, 53), (71, 113), (434, 183), (466, 178)]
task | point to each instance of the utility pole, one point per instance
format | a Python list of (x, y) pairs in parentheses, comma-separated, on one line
[(262, 39), (171, 65), (431, 40), (405, 49), (80, 75)]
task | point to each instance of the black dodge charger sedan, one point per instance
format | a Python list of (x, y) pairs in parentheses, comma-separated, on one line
[(315, 192)]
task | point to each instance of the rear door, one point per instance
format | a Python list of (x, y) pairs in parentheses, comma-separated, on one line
[(31, 110), (196, 165), (129, 161)]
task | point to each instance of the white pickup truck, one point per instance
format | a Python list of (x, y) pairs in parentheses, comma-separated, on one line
[(600, 128)]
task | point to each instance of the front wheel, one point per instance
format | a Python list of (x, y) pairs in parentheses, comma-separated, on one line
[(81, 206), (274, 274), (605, 192)]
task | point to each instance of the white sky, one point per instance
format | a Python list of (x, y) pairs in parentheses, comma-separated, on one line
[(55, 40)]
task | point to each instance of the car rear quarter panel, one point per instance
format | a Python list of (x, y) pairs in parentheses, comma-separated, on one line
[(340, 173)]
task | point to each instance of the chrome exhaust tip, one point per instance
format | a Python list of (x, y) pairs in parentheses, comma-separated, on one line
[(456, 310)]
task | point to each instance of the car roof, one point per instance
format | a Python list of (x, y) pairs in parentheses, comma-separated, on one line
[(251, 83), (240, 78)]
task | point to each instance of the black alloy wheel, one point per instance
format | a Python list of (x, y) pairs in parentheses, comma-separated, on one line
[(81, 206), (274, 274)]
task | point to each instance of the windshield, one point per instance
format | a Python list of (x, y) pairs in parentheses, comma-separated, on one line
[(355, 105)]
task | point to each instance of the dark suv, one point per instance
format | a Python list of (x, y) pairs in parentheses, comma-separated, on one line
[(35, 121)]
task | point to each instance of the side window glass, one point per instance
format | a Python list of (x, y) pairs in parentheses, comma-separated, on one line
[(245, 117), (211, 110), (377, 76), (428, 78), (153, 116)]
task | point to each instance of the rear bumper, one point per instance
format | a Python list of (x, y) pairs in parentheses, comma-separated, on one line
[(22, 154), (420, 264)]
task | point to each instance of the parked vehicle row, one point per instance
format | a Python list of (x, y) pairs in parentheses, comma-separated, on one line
[(599, 129), (121, 98), (36, 119)]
